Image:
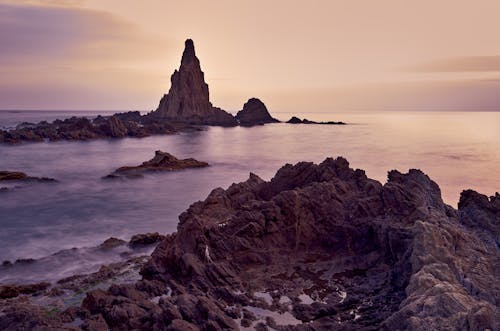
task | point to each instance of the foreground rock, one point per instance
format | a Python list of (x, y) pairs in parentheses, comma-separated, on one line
[(296, 120), (319, 247), (254, 112), (162, 161), (188, 97)]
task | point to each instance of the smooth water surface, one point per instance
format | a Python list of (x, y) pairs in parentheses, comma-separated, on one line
[(457, 150)]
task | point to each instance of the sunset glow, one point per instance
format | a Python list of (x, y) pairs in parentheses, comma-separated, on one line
[(115, 54)]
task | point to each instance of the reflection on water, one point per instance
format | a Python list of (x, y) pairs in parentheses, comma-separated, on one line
[(458, 150)]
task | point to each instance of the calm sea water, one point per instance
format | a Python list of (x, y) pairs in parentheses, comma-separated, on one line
[(457, 150)]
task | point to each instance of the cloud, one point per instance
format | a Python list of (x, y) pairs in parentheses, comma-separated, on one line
[(461, 64), (61, 50), (47, 34)]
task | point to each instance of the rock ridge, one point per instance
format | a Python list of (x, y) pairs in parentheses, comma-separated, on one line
[(318, 247)]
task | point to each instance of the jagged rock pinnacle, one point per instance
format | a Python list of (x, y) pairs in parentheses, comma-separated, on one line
[(188, 100), (189, 54)]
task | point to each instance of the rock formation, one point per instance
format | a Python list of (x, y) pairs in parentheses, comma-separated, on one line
[(22, 177), (119, 125), (254, 112), (296, 120), (162, 161), (188, 97), (319, 247)]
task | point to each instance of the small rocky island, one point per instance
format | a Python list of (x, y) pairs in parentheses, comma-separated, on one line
[(318, 247), (162, 161), (296, 120), (185, 107)]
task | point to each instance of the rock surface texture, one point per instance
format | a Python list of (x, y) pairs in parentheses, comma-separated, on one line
[(162, 161), (188, 98), (254, 112), (318, 247)]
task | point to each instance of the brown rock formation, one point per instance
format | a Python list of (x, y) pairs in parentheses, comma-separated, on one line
[(254, 112), (319, 247), (188, 97), (162, 161)]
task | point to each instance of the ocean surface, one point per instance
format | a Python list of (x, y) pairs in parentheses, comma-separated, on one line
[(459, 150)]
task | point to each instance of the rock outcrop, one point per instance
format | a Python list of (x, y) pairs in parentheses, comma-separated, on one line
[(119, 125), (319, 247), (188, 98), (17, 176), (254, 112), (162, 161), (296, 120)]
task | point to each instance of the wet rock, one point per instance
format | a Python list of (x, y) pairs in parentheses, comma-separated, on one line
[(188, 98), (22, 177), (145, 239), (254, 112), (296, 120), (12, 291), (162, 161), (25, 261), (112, 243), (12, 175)]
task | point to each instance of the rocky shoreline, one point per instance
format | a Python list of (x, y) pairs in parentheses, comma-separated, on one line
[(185, 107), (318, 247)]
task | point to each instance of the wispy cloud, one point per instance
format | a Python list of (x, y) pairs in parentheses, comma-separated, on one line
[(490, 63), (57, 47)]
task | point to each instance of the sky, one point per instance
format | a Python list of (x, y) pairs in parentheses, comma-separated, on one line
[(297, 56)]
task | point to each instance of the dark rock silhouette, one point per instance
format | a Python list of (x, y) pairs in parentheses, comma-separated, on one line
[(188, 98), (162, 161), (119, 125), (324, 243), (22, 177), (296, 120), (254, 112)]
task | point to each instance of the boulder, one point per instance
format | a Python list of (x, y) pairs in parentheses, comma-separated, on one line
[(162, 161), (254, 112)]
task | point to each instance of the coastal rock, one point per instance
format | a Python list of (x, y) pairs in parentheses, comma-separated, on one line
[(254, 112), (318, 247), (112, 243), (296, 120), (12, 291), (188, 97), (145, 239), (162, 161), (22, 177)]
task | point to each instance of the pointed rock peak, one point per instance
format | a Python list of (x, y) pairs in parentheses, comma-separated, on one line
[(189, 54)]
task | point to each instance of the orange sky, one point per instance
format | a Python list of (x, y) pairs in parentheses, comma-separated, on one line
[(295, 55)]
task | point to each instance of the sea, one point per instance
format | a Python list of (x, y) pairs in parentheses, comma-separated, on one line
[(60, 224)]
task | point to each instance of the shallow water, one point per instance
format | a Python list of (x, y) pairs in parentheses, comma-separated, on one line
[(457, 150)]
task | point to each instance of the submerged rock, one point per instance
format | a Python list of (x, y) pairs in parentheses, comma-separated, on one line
[(17, 176), (318, 247), (296, 120), (254, 112), (162, 161)]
